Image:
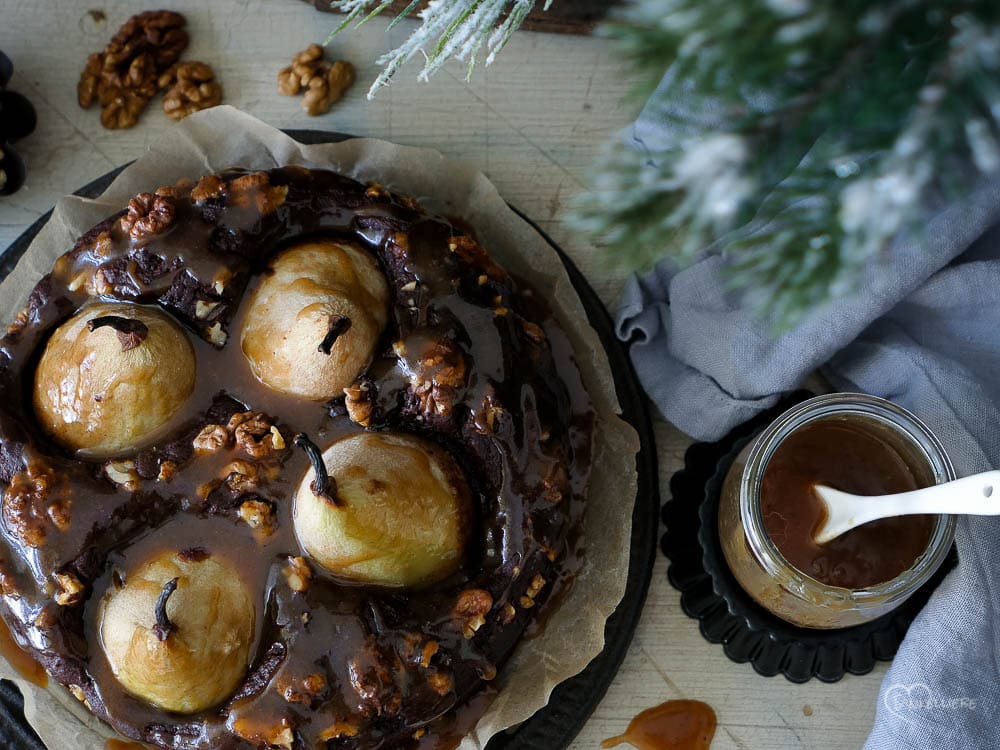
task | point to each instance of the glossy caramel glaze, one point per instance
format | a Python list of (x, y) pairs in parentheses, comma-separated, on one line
[(852, 458), (470, 359), (114, 744), (674, 725), (22, 662)]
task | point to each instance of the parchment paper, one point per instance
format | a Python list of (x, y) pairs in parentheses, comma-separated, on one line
[(224, 137)]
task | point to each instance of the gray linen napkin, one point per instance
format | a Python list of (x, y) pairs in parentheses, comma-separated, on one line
[(922, 330)]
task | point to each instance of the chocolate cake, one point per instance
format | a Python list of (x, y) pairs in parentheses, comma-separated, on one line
[(286, 461)]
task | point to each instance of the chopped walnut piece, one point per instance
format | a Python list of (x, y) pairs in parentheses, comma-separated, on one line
[(487, 671), (371, 675), (533, 331), (507, 614), (20, 322), (78, 693), (466, 248), (285, 738), (148, 215), (212, 439), (178, 190), (254, 433), (123, 473), (485, 418), (258, 515), (277, 439), (276, 735), (430, 648), (376, 191), (31, 503), (256, 189), (8, 585), (471, 608), (339, 729), (208, 187), (357, 399), (537, 584), (242, 476), (203, 309), (308, 690), (70, 590), (298, 573), (527, 602), (439, 374), (440, 683), (168, 469), (216, 336), (555, 484), (46, 619), (192, 88)]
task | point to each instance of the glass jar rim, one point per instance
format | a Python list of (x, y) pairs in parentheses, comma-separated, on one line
[(839, 404)]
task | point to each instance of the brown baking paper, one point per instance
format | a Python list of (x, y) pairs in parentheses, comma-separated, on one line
[(224, 137)]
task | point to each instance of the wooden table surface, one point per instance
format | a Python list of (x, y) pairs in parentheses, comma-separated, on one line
[(533, 122)]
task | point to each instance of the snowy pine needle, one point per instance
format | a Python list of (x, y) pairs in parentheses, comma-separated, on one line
[(450, 29), (804, 135)]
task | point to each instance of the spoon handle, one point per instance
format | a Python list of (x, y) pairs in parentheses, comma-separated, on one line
[(977, 495)]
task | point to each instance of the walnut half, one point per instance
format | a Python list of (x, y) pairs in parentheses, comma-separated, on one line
[(191, 87)]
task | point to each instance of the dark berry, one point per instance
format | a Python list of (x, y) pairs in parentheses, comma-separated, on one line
[(12, 172), (17, 116)]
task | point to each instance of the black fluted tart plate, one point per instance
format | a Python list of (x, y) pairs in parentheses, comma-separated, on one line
[(571, 703)]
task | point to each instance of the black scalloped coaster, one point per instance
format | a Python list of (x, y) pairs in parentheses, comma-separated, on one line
[(726, 614)]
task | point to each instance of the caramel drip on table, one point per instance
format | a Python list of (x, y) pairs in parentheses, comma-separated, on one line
[(20, 660), (674, 725)]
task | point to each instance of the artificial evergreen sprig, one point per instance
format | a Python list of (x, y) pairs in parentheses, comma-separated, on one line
[(456, 29), (804, 135)]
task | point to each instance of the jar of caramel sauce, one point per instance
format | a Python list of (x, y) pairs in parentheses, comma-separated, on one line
[(769, 512)]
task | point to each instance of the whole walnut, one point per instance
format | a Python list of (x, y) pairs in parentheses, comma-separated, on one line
[(323, 84)]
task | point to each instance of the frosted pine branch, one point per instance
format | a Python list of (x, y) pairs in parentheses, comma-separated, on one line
[(450, 29), (799, 136)]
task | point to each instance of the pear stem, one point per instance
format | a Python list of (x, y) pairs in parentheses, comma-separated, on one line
[(339, 324), (164, 627), (323, 485), (131, 332)]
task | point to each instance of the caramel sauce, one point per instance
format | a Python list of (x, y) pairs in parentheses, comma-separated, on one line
[(850, 457), (517, 533), (674, 725), (115, 744), (20, 660)]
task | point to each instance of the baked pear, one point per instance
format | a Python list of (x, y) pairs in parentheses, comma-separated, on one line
[(178, 632), (110, 376), (393, 511), (315, 319)]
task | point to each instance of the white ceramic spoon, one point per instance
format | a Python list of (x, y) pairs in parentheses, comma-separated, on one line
[(977, 495)]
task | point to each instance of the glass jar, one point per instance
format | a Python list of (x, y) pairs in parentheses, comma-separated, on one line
[(755, 560)]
